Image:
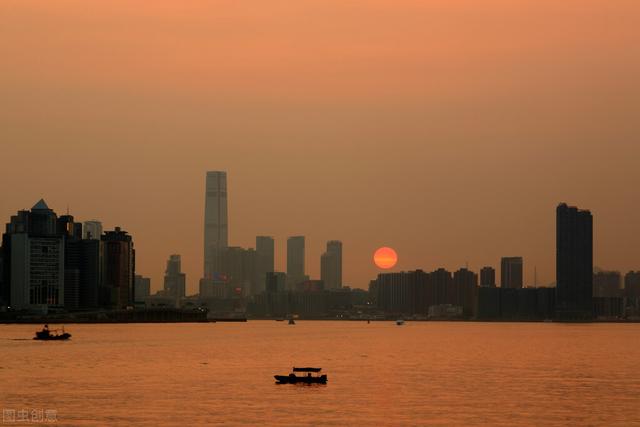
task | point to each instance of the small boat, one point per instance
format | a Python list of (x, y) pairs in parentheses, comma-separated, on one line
[(46, 334), (400, 322), (312, 377), (292, 322)]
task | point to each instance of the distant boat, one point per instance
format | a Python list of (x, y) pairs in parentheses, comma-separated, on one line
[(313, 377), (46, 335), (292, 322), (400, 322)]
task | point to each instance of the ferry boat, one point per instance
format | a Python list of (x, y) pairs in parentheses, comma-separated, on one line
[(46, 334), (312, 377)]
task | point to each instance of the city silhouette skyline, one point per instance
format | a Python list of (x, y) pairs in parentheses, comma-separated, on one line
[(449, 139)]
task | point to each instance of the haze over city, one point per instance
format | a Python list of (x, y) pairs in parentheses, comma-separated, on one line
[(449, 132)]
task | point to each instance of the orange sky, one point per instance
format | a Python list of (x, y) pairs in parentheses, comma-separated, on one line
[(448, 130)]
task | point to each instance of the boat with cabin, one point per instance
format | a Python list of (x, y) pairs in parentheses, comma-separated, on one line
[(47, 334), (310, 376)]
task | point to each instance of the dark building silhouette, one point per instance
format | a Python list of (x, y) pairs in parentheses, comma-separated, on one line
[(265, 262), (574, 263), (511, 272), (465, 284), (607, 284), (238, 267), (143, 287), (331, 265), (488, 277), (414, 292), (512, 304), (295, 261), (632, 284), (118, 289), (174, 279), (33, 260), (216, 228)]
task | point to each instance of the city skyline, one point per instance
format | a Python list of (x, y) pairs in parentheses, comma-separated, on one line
[(315, 265), (449, 139)]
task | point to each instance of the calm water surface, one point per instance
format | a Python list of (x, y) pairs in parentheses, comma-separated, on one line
[(379, 374)]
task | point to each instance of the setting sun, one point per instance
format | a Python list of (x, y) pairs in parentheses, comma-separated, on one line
[(385, 258)]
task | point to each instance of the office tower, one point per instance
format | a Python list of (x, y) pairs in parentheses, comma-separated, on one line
[(295, 261), (143, 287), (465, 284), (632, 284), (276, 282), (91, 264), (607, 284), (33, 256), (92, 230), (215, 221), (511, 273), (118, 269), (237, 267), (265, 262), (574, 263), (174, 278), (331, 265), (488, 277), (72, 235)]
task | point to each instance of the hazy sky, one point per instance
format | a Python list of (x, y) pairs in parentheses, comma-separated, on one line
[(448, 130)]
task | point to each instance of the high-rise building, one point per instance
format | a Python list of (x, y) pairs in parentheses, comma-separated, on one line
[(33, 255), (92, 230), (607, 284), (295, 261), (237, 267), (174, 279), (276, 282), (215, 221), (143, 287), (118, 269), (488, 277), (574, 263), (331, 265), (511, 273), (632, 284), (265, 262), (465, 284)]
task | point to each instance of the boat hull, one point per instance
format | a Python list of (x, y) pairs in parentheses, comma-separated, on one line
[(293, 379), (48, 337)]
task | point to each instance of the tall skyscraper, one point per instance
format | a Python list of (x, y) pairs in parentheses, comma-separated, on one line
[(118, 268), (511, 273), (607, 284), (33, 253), (143, 287), (295, 261), (215, 221), (174, 278), (331, 265), (265, 262), (488, 277), (574, 263)]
